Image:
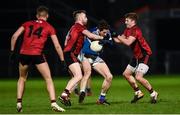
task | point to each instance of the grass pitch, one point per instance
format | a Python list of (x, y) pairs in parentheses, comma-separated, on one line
[(36, 100)]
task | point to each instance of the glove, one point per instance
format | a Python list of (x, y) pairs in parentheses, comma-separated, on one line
[(102, 42), (106, 37), (64, 66), (114, 34), (12, 56)]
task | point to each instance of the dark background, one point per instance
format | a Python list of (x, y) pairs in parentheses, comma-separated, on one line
[(159, 20)]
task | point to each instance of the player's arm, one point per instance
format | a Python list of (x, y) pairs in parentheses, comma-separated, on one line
[(91, 35), (15, 36), (116, 39), (57, 47), (126, 40)]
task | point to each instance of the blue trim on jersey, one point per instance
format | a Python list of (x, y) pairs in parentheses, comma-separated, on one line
[(86, 48), (87, 42), (94, 30)]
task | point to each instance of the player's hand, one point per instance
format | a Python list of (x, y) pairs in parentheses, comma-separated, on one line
[(103, 42), (114, 34), (107, 37), (12, 56), (64, 66)]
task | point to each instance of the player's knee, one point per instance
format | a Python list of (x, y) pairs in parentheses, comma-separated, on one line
[(109, 78), (126, 75), (85, 77), (47, 78), (139, 78), (87, 73), (22, 78), (79, 77)]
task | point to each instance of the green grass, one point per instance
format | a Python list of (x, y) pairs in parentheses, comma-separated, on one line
[(36, 98)]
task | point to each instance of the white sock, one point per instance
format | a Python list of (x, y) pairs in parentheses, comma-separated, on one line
[(19, 104), (137, 92), (53, 103), (153, 94), (63, 94), (103, 94), (82, 90)]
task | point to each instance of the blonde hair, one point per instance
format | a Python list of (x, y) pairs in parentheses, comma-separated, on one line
[(77, 12), (132, 16), (42, 11)]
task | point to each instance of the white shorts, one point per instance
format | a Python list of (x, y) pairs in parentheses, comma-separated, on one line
[(93, 62), (80, 56), (141, 67)]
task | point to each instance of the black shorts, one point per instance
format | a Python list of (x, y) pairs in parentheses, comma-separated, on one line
[(70, 58), (31, 59), (134, 62)]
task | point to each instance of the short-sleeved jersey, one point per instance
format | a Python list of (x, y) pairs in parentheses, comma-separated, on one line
[(74, 39), (87, 42), (36, 33), (140, 47)]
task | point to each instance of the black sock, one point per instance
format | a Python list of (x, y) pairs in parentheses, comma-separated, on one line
[(88, 89), (19, 100), (53, 101), (136, 89), (67, 91), (151, 90)]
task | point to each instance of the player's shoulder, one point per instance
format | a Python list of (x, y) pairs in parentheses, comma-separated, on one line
[(78, 27), (27, 23), (138, 30), (50, 26), (94, 30), (135, 30), (47, 25)]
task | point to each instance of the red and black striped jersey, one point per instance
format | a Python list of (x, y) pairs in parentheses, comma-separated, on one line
[(74, 39), (35, 35), (140, 47)]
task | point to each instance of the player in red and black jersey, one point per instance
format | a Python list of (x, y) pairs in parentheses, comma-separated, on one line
[(73, 44), (36, 33), (132, 37)]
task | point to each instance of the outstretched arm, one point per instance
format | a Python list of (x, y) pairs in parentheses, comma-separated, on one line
[(57, 47), (116, 39), (126, 40), (91, 35), (15, 36)]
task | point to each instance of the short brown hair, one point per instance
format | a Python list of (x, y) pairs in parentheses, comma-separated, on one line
[(132, 16), (103, 25), (42, 11), (75, 13)]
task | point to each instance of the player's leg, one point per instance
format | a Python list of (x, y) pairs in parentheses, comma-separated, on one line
[(130, 69), (88, 87), (43, 68), (23, 72), (75, 89), (86, 66), (76, 72), (140, 72), (103, 69)]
